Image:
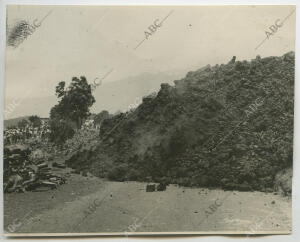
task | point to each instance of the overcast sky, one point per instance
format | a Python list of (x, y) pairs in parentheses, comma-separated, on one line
[(92, 40)]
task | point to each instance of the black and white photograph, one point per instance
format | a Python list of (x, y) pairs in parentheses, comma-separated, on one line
[(128, 120)]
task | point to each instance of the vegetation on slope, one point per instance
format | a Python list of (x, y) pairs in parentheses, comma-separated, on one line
[(228, 126)]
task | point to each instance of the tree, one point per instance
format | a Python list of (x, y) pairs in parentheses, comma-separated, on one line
[(60, 89), (60, 131), (35, 121), (101, 116), (72, 108), (22, 124), (75, 101)]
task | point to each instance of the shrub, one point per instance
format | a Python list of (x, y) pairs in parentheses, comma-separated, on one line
[(61, 130)]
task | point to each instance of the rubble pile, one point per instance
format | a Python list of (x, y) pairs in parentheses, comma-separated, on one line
[(82, 139), (21, 173), (228, 126)]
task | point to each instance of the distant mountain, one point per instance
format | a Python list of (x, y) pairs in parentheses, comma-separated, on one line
[(120, 95), (13, 122), (29, 106), (113, 96)]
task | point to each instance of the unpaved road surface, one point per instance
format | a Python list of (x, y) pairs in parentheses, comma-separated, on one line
[(126, 206)]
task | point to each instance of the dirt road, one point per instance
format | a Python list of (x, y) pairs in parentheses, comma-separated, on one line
[(127, 207)]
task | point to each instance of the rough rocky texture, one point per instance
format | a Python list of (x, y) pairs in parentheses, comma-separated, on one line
[(228, 126), (24, 172)]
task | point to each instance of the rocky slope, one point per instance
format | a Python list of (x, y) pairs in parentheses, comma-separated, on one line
[(228, 126)]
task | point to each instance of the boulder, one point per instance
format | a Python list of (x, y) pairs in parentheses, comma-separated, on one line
[(150, 188)]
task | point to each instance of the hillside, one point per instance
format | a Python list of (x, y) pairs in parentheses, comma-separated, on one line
[(13, 122), (228, 126)]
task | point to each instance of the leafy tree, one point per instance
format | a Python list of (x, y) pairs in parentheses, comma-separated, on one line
[(22, 123), (60, 131), (35, 121), (72, 108), (75, 101), (60, 89), (101, 116)]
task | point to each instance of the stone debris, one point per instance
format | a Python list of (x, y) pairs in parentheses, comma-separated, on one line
[(153, 187), (21, 174), (150, 188)]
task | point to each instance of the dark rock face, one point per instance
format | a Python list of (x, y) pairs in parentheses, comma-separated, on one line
[(228, 126)]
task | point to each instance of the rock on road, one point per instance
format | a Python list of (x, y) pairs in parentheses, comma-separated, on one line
[(121, 207)]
